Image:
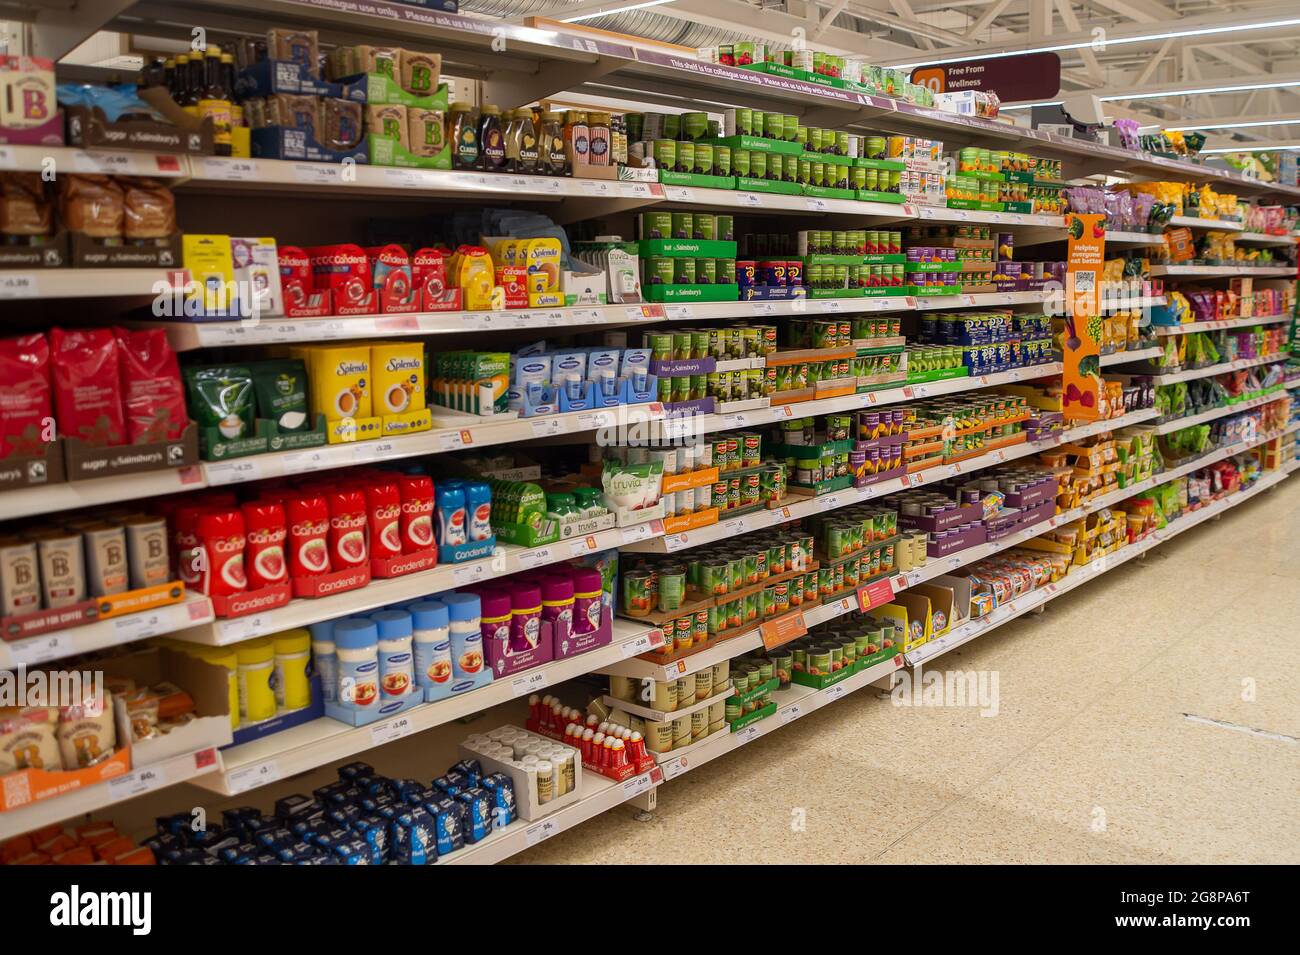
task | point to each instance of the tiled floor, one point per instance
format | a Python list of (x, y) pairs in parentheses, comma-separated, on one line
[(1090, 757)]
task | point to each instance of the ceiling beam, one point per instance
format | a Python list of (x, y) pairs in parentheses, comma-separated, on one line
[(1143, 11), (1094, 70), (991, 13), (1153, 64), (1040, 19), (827, 18)]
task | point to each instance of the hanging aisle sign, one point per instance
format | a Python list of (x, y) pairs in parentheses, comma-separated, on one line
[(1031, 76), (1081, 348)]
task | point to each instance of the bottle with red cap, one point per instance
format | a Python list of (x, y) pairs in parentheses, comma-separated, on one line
[(264, 559), (308, 517), (221, 541), (347, 534), (384, 513), (416, 492)]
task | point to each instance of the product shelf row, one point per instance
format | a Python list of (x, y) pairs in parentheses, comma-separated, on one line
[(1188, 328), (323, 741), (638, 668), (469, 433), (798, 701), (187, 336), (1176, 424), (1223, 271), (1031, 601), (213, 174), (540, 58), (309, 746), (1219, 369), (193, 620)]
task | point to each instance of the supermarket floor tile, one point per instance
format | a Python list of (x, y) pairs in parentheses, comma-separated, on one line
[(1090, 758)]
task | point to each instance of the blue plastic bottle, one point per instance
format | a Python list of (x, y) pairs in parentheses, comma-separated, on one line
[(478, 509), (450, 515)]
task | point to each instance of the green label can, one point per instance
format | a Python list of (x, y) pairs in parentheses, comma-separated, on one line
[(666, 154), (695, 125), (656, 225), (740, 162), (722, 160), (684, 274), (659, 271), (789, 168), (758, 165), (683, 225), (706, 271), (704, 225), (774, 125), (703, 159), (685, 156)]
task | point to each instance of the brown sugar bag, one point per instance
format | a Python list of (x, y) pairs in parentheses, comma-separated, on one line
[(301, 46), (341, 122), (91, 205), (380, 59), (150, 209), (426, 131), (25, 209), (294, 112), (388, 121), (419, 72)]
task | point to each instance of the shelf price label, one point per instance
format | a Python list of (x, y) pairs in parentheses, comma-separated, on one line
[(643, 644), (528, 683), (748, 733), (790, 713), (139, 781), (541, 832), (22, 285), (536, 557), (32, 650), (834, 692), (391, 730), (637, 785), (250, 777), (545, 427), (643, 531), (470, 573)]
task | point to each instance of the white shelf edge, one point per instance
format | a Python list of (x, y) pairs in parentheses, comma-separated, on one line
[(194, 610)]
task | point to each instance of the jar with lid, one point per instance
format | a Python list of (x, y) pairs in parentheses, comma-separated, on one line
[(464, 137), (525, 144), (599, 133), (492, 138), (577, 135), (552, 158)]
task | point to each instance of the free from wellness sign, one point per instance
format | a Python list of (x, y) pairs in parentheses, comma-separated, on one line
[(1081, 348)]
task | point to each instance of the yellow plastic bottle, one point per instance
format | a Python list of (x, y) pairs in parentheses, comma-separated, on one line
[(256, 672), (292, 657)]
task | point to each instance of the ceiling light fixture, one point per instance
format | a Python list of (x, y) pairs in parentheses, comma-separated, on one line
[(1250, 149), (1293, 121), (1116, 41), (613, 10), (1007, 109), (1202, 90)]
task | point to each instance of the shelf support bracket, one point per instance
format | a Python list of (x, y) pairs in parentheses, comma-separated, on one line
[(55, 32), (512, 89)]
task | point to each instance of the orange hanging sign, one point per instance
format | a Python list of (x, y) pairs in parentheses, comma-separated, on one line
[(1081, 348)]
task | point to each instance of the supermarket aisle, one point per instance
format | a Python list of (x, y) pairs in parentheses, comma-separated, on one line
[(1089, 758)]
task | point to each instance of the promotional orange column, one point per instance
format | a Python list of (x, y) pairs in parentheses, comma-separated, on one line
[(1081, 347)]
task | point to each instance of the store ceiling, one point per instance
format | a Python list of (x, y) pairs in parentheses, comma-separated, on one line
[(1125, 53)]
